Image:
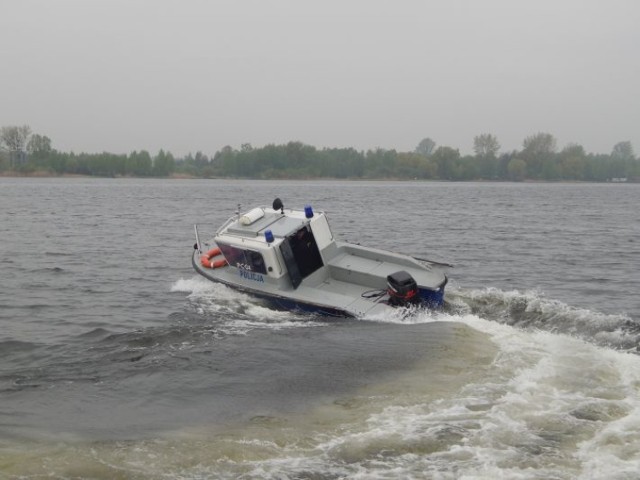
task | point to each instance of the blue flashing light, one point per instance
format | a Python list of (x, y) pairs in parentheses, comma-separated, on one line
[(268, 235), (308, 211)]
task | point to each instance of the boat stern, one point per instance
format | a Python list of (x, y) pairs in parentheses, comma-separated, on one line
[(431, 298)]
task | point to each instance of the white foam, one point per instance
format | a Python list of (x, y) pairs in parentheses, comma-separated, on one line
[(537, 386), (402, 316), (242, 312), (193, 285), (215, 293), (534, 301)]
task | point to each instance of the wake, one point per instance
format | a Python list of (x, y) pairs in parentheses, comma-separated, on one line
[(532, 311)]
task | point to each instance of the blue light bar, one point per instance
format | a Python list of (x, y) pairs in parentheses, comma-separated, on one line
[(308, 211), (268, 235)]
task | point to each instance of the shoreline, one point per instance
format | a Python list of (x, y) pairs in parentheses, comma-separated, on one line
[(186, 176), (178, 176)]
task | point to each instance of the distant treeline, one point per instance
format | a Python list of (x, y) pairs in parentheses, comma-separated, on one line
[(24, 153)]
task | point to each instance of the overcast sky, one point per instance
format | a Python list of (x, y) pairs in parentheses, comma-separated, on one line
[(123, 75)]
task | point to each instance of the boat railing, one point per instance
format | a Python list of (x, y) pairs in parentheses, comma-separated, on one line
[(231, 219)]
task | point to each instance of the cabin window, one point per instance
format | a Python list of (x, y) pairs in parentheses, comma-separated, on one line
[(242, 258), (305, 251)]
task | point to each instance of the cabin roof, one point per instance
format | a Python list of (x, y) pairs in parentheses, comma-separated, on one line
[(279, 224)]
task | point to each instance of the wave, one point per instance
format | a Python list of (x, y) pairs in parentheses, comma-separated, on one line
[(237, 312), (529, 311), (549, 406), (532, 311), (12, 346), (97, 333), (195, 285)]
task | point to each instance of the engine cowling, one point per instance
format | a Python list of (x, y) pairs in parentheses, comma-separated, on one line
[(402, 289)]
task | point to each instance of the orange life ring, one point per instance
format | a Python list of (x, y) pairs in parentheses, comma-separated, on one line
[(207, 261)]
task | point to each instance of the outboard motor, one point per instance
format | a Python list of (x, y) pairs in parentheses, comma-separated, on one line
[(403, 289)]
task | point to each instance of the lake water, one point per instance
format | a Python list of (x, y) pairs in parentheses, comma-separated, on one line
[(119, 362)]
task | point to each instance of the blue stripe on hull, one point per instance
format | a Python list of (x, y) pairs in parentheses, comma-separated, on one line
[(286, 304)]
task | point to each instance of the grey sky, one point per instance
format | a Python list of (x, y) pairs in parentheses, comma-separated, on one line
[(123, 75)]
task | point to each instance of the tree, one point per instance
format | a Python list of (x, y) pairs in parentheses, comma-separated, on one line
[(139, 164), (15, 138), (4, 160), (201, 159), (537, 149), (623, 151), (573, 150), (163, 164), (550, 169), (426, 147), (517, 169), (447, 159), (486, 145), (467, 168), (413, 165), (39, 148), (570, 164), (573, 168), (503, 163), (539, 144), (381, 163), (39, 144), (622, 160)]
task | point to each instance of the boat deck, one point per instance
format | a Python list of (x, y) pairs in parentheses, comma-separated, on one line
[(373, 270)]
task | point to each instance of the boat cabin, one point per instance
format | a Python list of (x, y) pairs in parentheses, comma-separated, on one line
[(276, 243)]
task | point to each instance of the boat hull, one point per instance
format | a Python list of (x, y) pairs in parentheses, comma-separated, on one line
[(277, 301), (430, 298)]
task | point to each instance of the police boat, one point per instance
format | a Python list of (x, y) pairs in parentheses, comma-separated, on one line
[(292, 259)]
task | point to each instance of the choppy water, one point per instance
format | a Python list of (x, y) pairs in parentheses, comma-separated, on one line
[(117, 361)]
